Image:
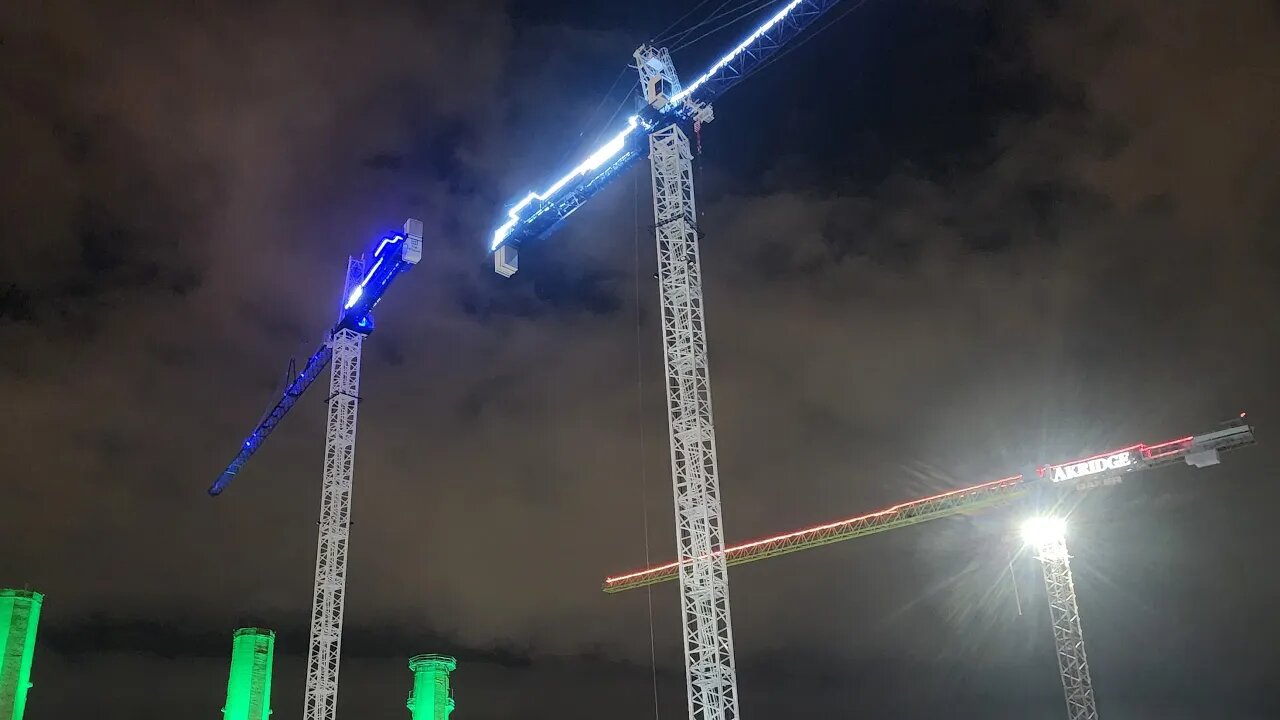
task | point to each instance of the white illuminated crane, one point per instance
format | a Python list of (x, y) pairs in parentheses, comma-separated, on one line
[(660, 130), (367, 281)]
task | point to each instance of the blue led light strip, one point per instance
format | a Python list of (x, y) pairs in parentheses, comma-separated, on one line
[(358, 290)]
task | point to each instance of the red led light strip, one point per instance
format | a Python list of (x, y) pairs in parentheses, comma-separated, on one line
[(1148, 452), (735, 549)]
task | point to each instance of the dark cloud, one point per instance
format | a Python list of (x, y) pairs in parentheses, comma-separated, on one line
[(972, 238)]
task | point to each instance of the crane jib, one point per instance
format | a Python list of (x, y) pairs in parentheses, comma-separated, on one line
[(539, 213), (315, 365), (388, 258), (1103, 469)]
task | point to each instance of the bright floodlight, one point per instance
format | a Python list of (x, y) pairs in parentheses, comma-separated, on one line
[(1038, 531)]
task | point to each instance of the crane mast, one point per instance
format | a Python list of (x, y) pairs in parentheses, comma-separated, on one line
[(320, 700), (704, 583), (1068, 636)]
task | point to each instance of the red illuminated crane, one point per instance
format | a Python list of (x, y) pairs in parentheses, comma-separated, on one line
[(1104, 469), (1046, 535)]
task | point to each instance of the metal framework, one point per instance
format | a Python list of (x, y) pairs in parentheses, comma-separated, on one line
[(1085, 473), (900, 515), (703, 572), (1068, 637), (324, 652), (704, 584), (539, 213)]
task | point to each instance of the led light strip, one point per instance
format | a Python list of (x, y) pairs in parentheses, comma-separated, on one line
[(595, 160), (728, 58), (358, 290)]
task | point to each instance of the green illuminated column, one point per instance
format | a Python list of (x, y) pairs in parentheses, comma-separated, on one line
[(19, 616), (431, 698), (249, 687)]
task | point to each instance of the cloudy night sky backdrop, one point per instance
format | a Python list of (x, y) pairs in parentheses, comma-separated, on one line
[(944, 240)]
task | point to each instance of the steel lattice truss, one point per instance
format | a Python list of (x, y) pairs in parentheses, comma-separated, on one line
[(704, 585), (321, 700), (902, 515), (1196, 450), (1068, 636)]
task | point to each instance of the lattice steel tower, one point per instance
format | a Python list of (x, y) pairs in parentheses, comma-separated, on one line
[(704, 585), (1049, 540), (325, 650)]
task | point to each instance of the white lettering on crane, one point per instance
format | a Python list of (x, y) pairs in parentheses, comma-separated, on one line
[(1072, 471)]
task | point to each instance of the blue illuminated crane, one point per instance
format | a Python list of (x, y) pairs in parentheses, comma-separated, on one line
[(659, 131), (391, 256), (368, 279)]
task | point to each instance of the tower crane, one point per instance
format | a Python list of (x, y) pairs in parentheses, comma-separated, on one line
[(659, 131), (1046, 535), (1107, 468), (368, 279)]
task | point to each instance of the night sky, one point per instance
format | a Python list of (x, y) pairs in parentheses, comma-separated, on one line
[(944, 240)]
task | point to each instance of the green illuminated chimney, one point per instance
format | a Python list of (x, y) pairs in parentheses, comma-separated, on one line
[(249, 687), (19, 616), (431, 698)]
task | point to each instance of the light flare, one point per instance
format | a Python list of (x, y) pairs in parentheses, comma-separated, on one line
[(1038, 531)]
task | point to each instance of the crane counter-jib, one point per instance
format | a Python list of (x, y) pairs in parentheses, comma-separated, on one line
[(1101, 469)]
